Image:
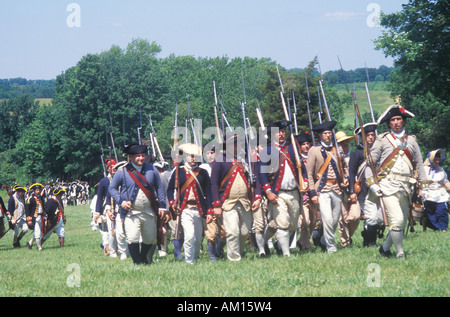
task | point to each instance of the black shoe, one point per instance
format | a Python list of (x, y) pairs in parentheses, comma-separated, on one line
[(29, 245), (387, 254)]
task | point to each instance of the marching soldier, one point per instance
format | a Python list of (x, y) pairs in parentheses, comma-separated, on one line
[(37, 212), (214, 232), (17, 214), (279, 178), (396, 155), (117, 237), (308, 217), (164, 174), (56, 219), (326, 182), (2, 215), (139, 192), (233, 197), (351, 210), (195, 199), (100, 216), (358, 190)]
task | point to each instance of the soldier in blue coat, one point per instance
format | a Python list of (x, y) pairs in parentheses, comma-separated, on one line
[(138, 190), (234, 195), (279, 179)]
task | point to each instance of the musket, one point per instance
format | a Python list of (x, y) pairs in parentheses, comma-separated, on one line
[(308, 100), (224, 118), (154, 139), (369, 159), (140, 126), (346, 86), (176, 162), (219, 135), (301, 183), (112, 138), (248, 150), (295, 112), (190, 120), (338, 152), (370, 102), (101, 157)]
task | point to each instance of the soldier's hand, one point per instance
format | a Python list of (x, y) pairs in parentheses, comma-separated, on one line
[(353, 198), (273, 198), (209, 219), (315, 200), (126, 204), (256, 204), (218, 212)]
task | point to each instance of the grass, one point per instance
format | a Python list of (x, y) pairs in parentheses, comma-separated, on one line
[(380, 98), (49, 273)]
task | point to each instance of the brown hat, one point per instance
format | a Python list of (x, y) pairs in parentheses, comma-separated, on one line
[(341, 137)]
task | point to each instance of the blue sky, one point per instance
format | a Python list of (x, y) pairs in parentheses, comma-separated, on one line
[(37, 41)]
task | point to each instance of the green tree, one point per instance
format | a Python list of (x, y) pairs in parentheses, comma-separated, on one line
[(418, 39)]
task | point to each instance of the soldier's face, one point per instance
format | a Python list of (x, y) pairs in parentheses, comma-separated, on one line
[(281, 135), (370, 138), (304, 147), (37, 191), (210, 156), (138, 159), (396, 124), (325, 136)]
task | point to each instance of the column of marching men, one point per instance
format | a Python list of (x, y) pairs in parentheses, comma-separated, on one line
[(271, 200), (40, 209), (231, 203)]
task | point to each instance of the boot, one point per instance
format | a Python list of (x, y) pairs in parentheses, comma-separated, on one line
[(30, 243), (177, 245), (212, 251), (146, 257), (219, 249), (134, 252), (61, 242), (16, 243)]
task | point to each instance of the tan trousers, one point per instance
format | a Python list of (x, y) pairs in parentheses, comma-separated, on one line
[(238, 223), (349, 220), (307, 223), (140, 224), (212, 229)]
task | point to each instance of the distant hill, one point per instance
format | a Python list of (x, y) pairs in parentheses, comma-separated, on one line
[(36, 89)]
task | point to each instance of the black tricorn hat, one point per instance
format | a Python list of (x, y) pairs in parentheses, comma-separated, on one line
[(303, 137), (325, 126), (368, 127), (135, 148), (393, 111), (280, 124)]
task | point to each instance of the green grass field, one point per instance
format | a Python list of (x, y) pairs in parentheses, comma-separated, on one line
[(379, 96), (354, 271)]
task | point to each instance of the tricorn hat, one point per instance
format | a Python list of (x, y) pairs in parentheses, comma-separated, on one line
[(34, 186), (135, 148), (58, 191), (303, 137), (325, 126), (190, 149), (19, 188), (368, 127), (392, 111)]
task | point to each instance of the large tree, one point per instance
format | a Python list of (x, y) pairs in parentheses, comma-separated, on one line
[(418, 38)]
